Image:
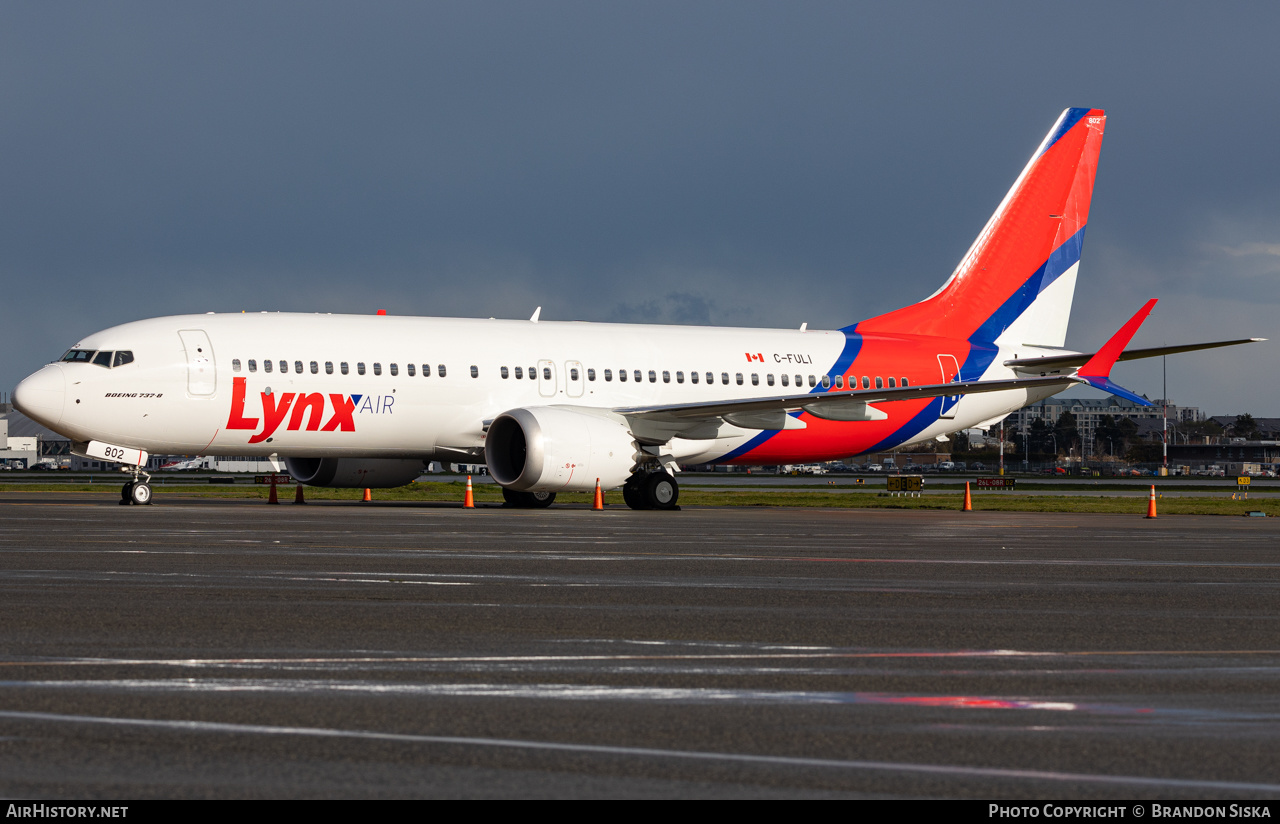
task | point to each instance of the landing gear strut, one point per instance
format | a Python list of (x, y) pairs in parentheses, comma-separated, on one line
[(651, 490), (136, 491)]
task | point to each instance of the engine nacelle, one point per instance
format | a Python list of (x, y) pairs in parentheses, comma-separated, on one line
[(550, 449), (354, 472)]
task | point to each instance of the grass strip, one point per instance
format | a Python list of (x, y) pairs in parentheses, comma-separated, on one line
[(1133, 503)]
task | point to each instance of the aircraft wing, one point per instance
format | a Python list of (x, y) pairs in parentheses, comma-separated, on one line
[(840, 405), (1074, 359)]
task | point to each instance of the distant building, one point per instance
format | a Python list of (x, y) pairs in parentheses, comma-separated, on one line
[(1089, 412)]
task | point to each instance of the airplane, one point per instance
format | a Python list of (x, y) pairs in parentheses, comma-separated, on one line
[(365, 400)]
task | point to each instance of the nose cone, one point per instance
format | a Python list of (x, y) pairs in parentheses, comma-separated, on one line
[(40, 397)]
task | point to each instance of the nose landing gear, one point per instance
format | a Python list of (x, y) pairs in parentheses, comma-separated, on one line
[(136, 491)]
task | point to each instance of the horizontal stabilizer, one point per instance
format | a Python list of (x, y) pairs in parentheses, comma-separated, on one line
[(1080, 359)]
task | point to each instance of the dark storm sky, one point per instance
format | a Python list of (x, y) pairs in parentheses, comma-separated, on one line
[(738, 163)]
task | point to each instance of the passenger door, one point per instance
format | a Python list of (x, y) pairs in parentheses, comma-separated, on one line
[(202, 380)]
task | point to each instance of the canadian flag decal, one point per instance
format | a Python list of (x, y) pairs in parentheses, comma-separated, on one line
[(755, 357)]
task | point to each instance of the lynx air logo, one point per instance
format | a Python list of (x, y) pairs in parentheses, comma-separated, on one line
[(309, 405)]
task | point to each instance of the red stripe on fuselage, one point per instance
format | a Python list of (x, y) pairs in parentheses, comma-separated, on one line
[(880, 356)]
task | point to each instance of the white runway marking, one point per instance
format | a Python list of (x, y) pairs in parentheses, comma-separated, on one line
[(648, 752)]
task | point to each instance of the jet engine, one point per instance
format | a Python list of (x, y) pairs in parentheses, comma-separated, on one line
[(354, 472), (551, 449)]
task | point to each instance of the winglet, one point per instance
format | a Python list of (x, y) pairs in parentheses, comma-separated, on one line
[(1097, 371)]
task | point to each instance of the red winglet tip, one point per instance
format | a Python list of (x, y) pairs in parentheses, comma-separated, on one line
[(1105, 358)]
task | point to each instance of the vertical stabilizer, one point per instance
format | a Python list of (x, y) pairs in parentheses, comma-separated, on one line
[(1018, 278)]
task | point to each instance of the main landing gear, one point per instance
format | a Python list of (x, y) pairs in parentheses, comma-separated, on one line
[(136, 491), (528, 500), (651, 490)]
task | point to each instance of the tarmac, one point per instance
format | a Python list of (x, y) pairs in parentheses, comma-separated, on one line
[(230, 649)]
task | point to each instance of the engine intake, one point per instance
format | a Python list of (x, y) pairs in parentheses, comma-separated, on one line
[(550, 449)]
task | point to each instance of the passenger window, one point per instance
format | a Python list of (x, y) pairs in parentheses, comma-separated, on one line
[(297, 367), (315, 368), (679, 377), (412, 371), (739, 378), (519, 373), (755, 379), (693, 377), (812, 381), (799, 381), (622, 375), (786, 381), (343, 368), (826, 381), (235, 364), (893, 384), (426, 370), (573, 374), (503, 372), (475, 371), (711, 377), (879, 383), (608, 374), (440, 371), (266, 366), (839, 381), (328, 367), (591, 374), (904, 382), (377, 369), (102, 359), (653, 376), (360, 368), (546, 372), (284, 367), (866, 382), (769, 379), (666, 376), (636, 375), (253, 365), (724, 378), (395, 369)]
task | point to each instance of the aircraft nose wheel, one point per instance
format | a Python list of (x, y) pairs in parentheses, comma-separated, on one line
[(135, 492)]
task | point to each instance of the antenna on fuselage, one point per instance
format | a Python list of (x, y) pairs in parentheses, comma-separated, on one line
[(536, 312)]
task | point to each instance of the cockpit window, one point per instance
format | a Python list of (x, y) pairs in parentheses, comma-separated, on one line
[(105, 358)]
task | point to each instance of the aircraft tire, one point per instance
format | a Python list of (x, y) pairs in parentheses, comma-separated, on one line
[(126, 494), (633, 492), (661, 491), (140, 494)]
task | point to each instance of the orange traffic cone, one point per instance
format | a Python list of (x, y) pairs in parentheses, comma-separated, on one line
[(469, 502), (367, 495), (968, 500), (1151, 504), (297, 496), (599, 501), (273, 499)]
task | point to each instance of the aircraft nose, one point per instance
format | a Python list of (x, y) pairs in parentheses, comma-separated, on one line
[(41, 396)]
